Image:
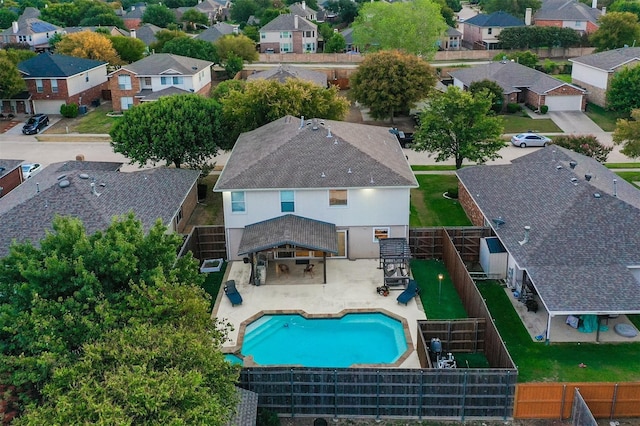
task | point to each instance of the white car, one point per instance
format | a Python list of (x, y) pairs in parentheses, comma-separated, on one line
[(29, 170), (524, 140)]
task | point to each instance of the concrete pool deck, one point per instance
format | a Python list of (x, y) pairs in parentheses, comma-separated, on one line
[(351, 285)]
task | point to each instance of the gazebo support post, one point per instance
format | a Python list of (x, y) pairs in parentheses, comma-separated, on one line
[(549, 329), (324, 267), (253, 270)]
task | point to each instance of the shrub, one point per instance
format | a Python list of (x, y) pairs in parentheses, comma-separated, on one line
[(531, 107), (544, 109), (513, 108), (69, 110), (586, 145), (267, 418)]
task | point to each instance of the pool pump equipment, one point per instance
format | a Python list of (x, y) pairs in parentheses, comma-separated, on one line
[(437, 358)]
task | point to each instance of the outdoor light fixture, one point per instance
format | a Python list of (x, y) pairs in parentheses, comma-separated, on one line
[(440, 277)]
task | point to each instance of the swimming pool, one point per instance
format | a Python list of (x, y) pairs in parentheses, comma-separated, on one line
[(355, 338)]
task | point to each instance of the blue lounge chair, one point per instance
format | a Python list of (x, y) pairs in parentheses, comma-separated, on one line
[(409, 293), (232, 293)]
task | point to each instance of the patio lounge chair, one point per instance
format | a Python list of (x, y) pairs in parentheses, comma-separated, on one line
[(409, 293), (232, 293)]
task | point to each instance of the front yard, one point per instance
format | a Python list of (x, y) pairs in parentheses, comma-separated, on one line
[(95, 121)]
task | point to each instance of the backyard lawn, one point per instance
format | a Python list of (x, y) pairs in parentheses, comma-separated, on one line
[(603, 118), (430, 208), (516, 123)]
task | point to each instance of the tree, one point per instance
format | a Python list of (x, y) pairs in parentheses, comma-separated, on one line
[(526, 58), (163, 37), (515, 8), (233, 65), (585, 145), (179, 129), (382, 25), (193, 48), (11, 82), (336, 44), (129, 49), (159, 15), (263, 101), (391, 81), (622, 94), (7, 17), (616, 29), (252, 32), (192, 17), (493, 88), (89, 45), (346, 10), (99, 13), (224, 87), (241, 10), (17, 55), (531, 37), (460, 125), (240, 45), (625, 6), (627, 134)]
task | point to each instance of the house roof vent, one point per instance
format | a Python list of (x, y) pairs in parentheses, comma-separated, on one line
[(526, 235), (587, 177), (83, 176), (573, 164), (558, 167), (61, 177), (574, 180), (64, 183), (596, 195), (498, 221)]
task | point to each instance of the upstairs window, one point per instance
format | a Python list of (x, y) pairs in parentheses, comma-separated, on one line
[(238, 204), (39, 86), (287, 202), (338, 198), (54, 86), (124, 82)]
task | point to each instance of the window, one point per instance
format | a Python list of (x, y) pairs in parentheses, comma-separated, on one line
[(286, 47), (380, 234), (337, 197), (179, 217), (126, 103), (147, 81), (39, 86), (285, 34), (309, 34), (309, 47), (287, 201), (124, 82), (263, 36), (54, 86), (489, 31), (177, 80), (237, 202), (165, 80)]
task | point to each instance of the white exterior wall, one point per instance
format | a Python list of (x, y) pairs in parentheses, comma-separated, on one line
[(457, 83), (41, 38), (493, 37), (78, 83), (189, 82), (272, 37), (590, 75)]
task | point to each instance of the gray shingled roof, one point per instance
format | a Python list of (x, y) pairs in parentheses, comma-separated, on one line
[(567, 10), (7, 165), (297, 9), (511, 77), (496, 19), (610, 59), (289, 229), (287, 23), (284, 72), (47, 65), (281, 155), (452, 32), (169, 64), (216, 31), (147, 33), (31, 26), (247, 412), (579, 246), (148, 95), (27, 211)]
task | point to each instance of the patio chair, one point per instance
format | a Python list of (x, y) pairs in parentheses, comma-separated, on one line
[(232, 293), (409, 293)]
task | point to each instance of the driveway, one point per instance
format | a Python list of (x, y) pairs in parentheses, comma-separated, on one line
[(574, 122)]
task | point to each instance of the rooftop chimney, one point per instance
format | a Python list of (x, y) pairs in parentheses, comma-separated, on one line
[(295, 21), (594, 4), (604, 11), (587, 177), (14, 26), (132, 33), (304, 5), (527, 16), (526, 235)]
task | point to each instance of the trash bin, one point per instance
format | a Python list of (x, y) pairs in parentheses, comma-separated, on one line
[(82, 109), (95, 103)]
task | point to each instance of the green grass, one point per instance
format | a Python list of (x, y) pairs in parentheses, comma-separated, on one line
[(433, 168), (603, 118), (622, 165), (437, 304), (564, 77), (95, 122), (514, 123), (213, 282), (430, 208), (630, 177), (538, 362)]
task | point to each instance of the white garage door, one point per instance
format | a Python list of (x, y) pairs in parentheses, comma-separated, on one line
[(564, 103), (47, 107)]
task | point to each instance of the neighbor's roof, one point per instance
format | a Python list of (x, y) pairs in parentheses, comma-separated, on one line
[(290, 229), (511, 76), (26, 212), (335, 154), (147, 33), (496, 19), (452, 32), (247, 408), (111, 29), (287, 23), (7, 165), (566, 10), (610, 59), (216, 31), (297, 9), (167, 64), (149, 95), (54, 65), (30, 26), (579, 246), (283, 72)]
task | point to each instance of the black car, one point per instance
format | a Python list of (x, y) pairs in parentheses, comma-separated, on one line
[(35, 124)]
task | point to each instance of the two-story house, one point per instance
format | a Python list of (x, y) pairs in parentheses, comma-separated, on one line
[(301, 9), (53, 80), (310, 173), (568, 14), (158, 75), (289, 34), (481, 32), (29, 29)]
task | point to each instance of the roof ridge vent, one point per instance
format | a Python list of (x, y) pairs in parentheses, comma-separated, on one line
[(559, 167), (329, 135), (526, 235), (301, 121), (93, 190)]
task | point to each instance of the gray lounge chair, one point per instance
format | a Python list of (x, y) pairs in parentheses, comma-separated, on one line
[(409, 293), (232, 293)]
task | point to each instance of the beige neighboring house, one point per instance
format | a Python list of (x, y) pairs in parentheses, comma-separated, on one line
[(301, 9), (158, 75), (284, 72), (481, 31), (595, 72), (289, 34), (31, 30)]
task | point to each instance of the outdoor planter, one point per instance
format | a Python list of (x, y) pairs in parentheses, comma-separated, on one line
[(211, 265)]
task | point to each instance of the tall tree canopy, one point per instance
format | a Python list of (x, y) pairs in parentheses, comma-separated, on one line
[(627, 134), (531, 37), (414, 27), (461, 126), (129, 49), (616, 29), (240, 45), (6, 18), (165, 36), (263, 101), (11, 81), (192, 17), (80, 13), (89, 45), (158, 14), (178, 129), (622, 95), (390, 81), (494, 90), (193, 48)]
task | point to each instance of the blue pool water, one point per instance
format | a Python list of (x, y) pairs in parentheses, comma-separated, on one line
[(371, 338), (233, 359)]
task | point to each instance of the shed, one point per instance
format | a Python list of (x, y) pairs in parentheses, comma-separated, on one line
[(493, 258)]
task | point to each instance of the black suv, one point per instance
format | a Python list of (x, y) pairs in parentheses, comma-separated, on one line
[(35, 124)]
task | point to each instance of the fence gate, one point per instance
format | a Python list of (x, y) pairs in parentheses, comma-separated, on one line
[(580, 413)]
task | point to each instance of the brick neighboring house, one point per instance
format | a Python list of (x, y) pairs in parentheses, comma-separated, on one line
[(568, 14), (524, 85), (53, 80), (481, 32), (133, 17), (289, 34), (158, 75), (31, 30)]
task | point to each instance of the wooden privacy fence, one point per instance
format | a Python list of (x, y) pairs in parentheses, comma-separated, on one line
[(383, 393), (427, 243), (205, 242)]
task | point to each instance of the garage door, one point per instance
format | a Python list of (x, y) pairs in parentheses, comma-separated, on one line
[(564, 103), (48, 107)]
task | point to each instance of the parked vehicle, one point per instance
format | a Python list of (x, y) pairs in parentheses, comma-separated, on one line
[(29, 170), (524, 140), (405, 139), (35, 124)]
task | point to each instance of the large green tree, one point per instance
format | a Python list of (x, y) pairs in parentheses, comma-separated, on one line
[(616, 30), (165, 36), (11, 81), (241, 10), (193, 48), (178, 129), (493, 88), (240, 45), (129, 49), (390, 81), (336, 44), (6, 18), (158, 14), (192, 17), (461, 126), (625, 6), (414, 27), (531, 37), (263, 101), (627, 134), (347, 10), (622, 94)]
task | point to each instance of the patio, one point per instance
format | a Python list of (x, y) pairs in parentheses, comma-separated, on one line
[(351, 285)]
